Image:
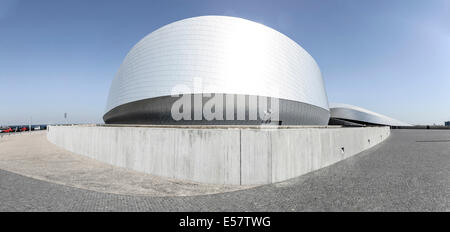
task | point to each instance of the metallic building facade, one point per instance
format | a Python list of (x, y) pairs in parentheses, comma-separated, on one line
[(360, 115), (216, 55)]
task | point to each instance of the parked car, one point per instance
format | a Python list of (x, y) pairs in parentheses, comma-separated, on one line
[(9, 130)]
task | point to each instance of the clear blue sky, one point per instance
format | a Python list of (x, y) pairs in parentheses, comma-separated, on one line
[(389, 56)]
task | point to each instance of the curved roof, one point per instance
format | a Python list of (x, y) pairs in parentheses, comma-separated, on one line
[(355, 113), (217, 54)]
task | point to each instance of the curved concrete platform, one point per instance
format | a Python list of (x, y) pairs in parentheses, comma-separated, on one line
[(410, 171), (218, 155)]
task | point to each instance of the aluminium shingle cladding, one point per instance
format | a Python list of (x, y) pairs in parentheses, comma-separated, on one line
[(218, 54)]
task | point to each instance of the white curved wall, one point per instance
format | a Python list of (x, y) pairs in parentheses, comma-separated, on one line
[(230, 55), (345, 111)]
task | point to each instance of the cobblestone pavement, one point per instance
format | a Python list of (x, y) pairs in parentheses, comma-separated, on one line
[(410, 171)]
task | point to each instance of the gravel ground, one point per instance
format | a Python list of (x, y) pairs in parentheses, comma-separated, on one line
[(410, 171)]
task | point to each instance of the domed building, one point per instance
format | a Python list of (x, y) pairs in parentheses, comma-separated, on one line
[(341, 114), (217, 70)]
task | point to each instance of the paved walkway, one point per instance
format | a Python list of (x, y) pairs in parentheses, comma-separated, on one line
[(410, 171), (32, 155)]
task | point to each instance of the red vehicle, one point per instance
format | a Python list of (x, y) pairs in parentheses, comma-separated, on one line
[(23, 129), (7, 130)]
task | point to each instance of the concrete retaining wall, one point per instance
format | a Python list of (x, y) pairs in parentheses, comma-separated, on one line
[(236, 156)]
